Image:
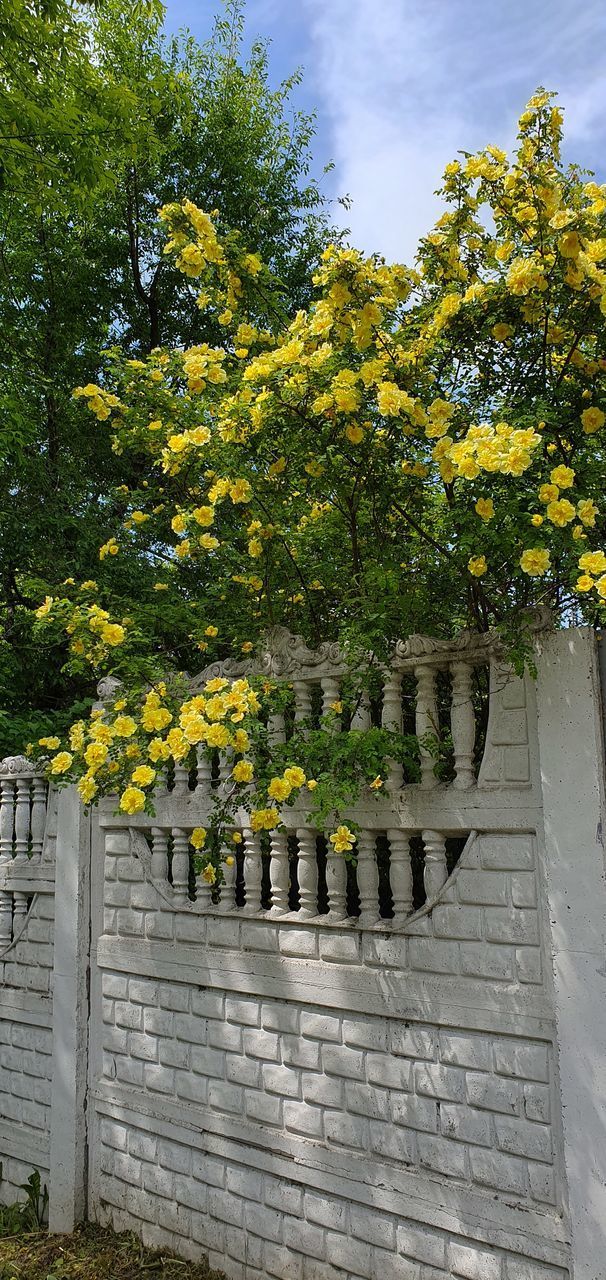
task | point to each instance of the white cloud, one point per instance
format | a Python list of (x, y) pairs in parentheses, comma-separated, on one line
[(405, 83)]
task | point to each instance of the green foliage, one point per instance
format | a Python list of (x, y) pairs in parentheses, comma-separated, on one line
[(101, 124), (28, 1214)]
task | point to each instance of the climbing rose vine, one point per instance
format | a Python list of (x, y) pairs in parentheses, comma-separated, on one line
[(422, 447)]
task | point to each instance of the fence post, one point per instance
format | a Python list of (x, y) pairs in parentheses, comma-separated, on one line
[(571, 753), (68, 1138)]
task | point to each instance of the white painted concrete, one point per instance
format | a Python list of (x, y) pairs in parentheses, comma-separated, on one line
[(572, 779), (68, 1137)]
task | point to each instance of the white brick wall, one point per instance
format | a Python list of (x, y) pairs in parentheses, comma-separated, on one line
[(245, 1053), (26, 1052), (252, 1222)]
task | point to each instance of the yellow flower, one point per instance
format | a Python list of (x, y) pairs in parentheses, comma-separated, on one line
[(600, 587), (592, 420), (51, 743), (61, 763), (537, 520), (211, 631), (229, 861), (342, 840), (109, 548), (247, 647), (311, 784), (158, 750), (87, 788), (376, 783), (355, 434), (209, 874), (243, 771), (561, 513), (502, 332), (132, 800), (178, 524), (295, 776), (237, 837), (264, 819), (485, 508), (587, 512), (562, 476), (113, 633), (549, 493), (255, 548), (45, 608), (337, 707), (154, 717), (279, 789), (477, 566), (204, 515), (593, 562), (240, 491), (535, 561), (96, 754), (124, 726), (585, 582), (198, 837), (143, 776)]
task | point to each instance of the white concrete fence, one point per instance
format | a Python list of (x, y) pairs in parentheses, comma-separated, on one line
[(321, 1073)]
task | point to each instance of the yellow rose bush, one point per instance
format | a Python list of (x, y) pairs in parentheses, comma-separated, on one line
[(422, 447)]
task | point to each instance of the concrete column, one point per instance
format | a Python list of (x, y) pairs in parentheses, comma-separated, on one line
[(68, 1139), (572, 775)]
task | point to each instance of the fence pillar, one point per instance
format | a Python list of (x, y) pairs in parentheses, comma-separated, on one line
[(572, 767), (68, 1138)]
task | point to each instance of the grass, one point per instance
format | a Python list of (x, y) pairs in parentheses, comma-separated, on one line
[(91, 1253)]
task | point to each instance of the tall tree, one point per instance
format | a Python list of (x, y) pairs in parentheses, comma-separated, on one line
[(102, 121)]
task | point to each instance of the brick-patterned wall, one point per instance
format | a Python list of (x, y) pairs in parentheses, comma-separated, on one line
[(26, 1051), (309, 1101)]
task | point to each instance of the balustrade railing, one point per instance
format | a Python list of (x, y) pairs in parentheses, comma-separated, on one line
[(23, 813), (291, 874), (434, 689)]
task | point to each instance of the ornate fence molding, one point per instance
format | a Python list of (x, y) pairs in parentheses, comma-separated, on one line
[(435, 688), (26, 858)]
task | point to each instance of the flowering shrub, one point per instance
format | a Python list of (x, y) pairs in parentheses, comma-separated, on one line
[(421, 447)]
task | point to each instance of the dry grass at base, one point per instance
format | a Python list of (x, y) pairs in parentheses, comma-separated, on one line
[(92, 1253)]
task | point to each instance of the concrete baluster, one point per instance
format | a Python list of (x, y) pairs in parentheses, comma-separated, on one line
[(279, 872), (302, 691), (426, 720), (227, 899), (400, 875), (391, 718), (252, 871), (336, 883), (22, 820), (361, 718), (181, 784), (181, 859), (159, 858), (435, 873), (38, 816), (7, 819), (368, 878), (331, 692), (463, 724), (307, 872), (204, 773)]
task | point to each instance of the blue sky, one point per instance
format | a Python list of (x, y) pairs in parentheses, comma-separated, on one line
[(400, 85)]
